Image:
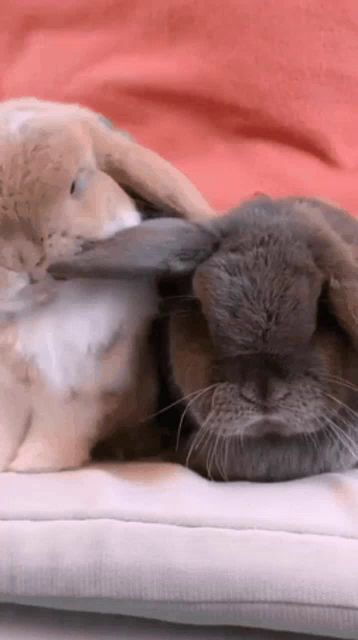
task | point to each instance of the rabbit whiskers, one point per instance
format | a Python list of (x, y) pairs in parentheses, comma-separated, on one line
[(217, 442), (340, 434), (341, 382)]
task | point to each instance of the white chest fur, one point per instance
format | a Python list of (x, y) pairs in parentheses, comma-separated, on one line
[(65, 339)]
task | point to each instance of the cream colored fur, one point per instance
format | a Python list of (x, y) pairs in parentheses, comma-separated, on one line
[(74, 356)]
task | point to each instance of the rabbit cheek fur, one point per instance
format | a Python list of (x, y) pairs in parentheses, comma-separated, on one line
[(74, 355), (264, 355)]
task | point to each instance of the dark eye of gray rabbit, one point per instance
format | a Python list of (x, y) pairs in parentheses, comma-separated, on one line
[(277, 391)]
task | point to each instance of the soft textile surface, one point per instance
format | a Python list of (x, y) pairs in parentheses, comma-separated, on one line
[(32, 623), (158, 541), (243, 95)]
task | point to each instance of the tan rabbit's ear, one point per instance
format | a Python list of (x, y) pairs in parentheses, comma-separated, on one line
[(145, 174)]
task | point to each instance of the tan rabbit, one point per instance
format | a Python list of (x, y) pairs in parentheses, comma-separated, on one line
[(74, 356)]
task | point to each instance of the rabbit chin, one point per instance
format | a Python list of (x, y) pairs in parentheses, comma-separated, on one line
[(271, 457), (267, 426), (266, 449), (261, 426)]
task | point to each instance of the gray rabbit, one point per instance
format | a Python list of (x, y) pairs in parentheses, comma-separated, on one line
[(261, 346)]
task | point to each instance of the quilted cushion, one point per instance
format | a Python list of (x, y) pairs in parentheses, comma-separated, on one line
[(259, 96), (159, 541)]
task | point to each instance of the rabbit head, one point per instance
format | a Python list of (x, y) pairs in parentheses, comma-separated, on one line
[(263, 337), (65, 176)]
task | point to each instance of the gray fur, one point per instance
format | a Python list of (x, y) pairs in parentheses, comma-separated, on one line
[(167, 246), (266, 333), (284, 366)]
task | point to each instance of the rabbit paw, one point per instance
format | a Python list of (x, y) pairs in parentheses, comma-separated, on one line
[(40, 456), (7, 451), (3, 464)]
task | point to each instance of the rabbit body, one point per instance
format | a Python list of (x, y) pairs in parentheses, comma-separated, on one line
[(262, 336), (75, 358), (75, 374), (268, 354)]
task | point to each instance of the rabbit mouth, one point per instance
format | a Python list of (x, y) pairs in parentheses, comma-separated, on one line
[(268, 427)]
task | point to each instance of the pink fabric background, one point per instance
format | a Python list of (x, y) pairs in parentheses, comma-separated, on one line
[(243, 95)]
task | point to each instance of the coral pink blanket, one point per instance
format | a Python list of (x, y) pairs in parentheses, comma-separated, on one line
[(243, 95)]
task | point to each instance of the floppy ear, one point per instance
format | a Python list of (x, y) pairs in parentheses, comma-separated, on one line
[(336, 253), (160, 247), (343, 295), (343, 292), (144, 174)]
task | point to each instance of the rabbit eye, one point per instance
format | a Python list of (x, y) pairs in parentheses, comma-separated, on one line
[(81, 182)]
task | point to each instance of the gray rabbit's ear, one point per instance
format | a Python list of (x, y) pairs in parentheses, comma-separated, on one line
[(161, 247), (342, 278), (343, 296), (335, 251)]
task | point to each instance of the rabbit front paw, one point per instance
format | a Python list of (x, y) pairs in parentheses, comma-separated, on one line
[(41, 456)]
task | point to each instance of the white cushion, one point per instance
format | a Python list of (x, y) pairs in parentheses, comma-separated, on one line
[(158, 541)]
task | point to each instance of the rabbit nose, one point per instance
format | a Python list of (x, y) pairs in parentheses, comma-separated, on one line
[(264, 391), (267, 394), (250, 392)]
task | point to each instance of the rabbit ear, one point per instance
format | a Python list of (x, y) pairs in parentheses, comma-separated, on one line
[(161, 247), (343, 289), (146, 175), (343, 295), (335, 248)]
